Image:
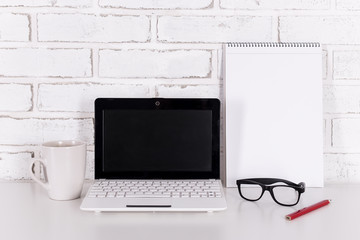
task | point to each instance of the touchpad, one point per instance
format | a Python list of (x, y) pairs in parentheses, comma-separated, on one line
[(148, 202)]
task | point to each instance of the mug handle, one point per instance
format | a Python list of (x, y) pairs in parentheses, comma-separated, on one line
[(32, 173)]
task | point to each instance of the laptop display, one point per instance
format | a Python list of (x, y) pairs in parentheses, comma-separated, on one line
[(157, 138)]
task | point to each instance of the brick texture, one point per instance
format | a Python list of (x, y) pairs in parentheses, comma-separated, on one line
[(346, 65), (57, 57), (346, 133), (214, 29), (154, 64), (15, 97), (90, 160), (93, 28), (343, 168), (15, 166), (18, 30), (81, 97), (46, 3), (275, 4), (36, 131), (324, 29), (38, 62), (188, 91), (348, 4), (156, 4), (342, 99)]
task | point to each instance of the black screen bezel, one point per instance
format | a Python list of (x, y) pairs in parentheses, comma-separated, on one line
[(102, 104)]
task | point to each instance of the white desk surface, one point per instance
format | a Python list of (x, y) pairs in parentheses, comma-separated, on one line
[(27, 213)]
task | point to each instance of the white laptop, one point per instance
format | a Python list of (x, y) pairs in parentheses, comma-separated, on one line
[(156, 155)]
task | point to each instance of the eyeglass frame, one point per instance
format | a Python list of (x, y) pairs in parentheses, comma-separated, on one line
[(263, 182)]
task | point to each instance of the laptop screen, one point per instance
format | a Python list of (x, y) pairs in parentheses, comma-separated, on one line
[(163, 140), (157, 138)]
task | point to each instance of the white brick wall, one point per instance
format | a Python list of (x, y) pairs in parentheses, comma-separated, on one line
[(81, 97), (343, 168), (18, 30), (89, 171), (154, 64), (275, 4), (348, 4), (188, 91), (214, 29), (156, 4), (92, 28), (56, 57), (325, 29), (32, 131), (346, 133), (39, 62), (45, 3), (346, 65), (15, 97), (15, 165), (342, 99)]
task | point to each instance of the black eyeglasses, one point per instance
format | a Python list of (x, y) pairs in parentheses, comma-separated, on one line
[(286, 194)]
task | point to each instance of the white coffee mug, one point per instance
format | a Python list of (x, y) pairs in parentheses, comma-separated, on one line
[(64, 169)]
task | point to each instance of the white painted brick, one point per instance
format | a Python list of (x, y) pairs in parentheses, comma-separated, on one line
[(346, 133), (220, 65), (156, 4), (45, 3), (15, 97), (38, 62), (36, 131), (155, 64), (15, 166), (275, 4), (342, 168), (348, 4), (323, 29), (342, 99), (18, 30), (346, 65), (188, 91), (90, 171), (214, 29), (324, 64), (93, 28), (325, 136), (81, 97)]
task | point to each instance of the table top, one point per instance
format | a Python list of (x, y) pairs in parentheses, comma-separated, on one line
[(26, 212)]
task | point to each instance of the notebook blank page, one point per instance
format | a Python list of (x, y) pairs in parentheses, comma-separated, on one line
[(274, 114)]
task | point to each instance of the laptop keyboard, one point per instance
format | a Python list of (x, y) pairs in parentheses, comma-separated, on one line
[(155, 189)]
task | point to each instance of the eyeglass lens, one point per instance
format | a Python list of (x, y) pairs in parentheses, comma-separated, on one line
[(251, 191), (283, 194)]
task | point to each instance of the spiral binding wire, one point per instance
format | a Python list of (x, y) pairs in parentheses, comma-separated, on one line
[(273, 44)]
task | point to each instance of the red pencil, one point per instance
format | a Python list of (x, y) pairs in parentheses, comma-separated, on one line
[(306, 210)]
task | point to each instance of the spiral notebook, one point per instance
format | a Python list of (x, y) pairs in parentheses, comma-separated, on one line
[(274, 121)]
